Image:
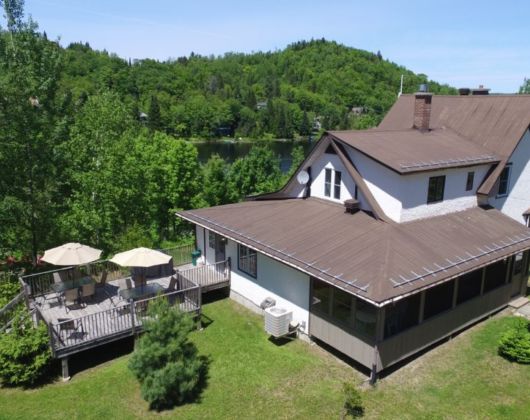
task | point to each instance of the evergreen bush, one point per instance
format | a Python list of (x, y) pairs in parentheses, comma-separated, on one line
[(353, 403), (165, 362), (514, 344), (25, 355)]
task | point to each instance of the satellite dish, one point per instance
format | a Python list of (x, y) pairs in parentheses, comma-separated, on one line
[(302, 177)]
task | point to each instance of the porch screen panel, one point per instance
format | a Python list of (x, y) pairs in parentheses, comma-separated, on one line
[(469, 286), (365, 318), (402, 315), (495, 275), (321, 301), (438, 299)]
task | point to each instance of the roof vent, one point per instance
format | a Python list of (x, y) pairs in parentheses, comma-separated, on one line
[(481, 90), (351, 205)]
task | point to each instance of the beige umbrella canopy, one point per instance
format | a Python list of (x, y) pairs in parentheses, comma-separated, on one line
[(72, 253), (140, 257)]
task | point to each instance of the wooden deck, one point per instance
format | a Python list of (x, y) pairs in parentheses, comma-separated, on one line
[(106, 317)]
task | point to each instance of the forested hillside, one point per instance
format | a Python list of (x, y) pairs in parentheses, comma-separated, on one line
[(272, 94), (89, 141)]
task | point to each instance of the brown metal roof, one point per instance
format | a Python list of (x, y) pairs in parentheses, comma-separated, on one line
[(374, 260), (411, 150), (495, 122)]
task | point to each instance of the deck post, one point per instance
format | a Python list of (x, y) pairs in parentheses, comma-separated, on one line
[(199, 301), (64, 366), (131, 311)]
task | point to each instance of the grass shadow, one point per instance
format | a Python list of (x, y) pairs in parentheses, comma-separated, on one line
[(282, 341), (215, 295), (101, 354), (206, 321)]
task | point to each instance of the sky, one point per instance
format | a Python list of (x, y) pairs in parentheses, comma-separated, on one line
[(463, 43)]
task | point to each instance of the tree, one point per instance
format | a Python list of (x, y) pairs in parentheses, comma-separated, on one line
[(25, 354), (525, 87), (154, 119), (297, 157), (256, 173), (305, 125), (29, 76), (165, 361), (215, 190)]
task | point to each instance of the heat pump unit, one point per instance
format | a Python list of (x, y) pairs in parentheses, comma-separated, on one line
[(277, 321)]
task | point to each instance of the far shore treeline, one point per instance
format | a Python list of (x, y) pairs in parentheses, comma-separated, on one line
[(91, 147)]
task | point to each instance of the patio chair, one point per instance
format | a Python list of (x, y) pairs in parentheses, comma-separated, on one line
[(70, 297), (88, 290), (57, 278), (74, 326), (173, 284), (103, 279)]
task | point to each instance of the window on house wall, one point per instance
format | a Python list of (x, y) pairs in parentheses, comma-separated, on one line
[(211, 239), (402, 315), (469, 286), (504, 180), (435, 192), (495, 275), (470, 180), (438, 299), (336, 190), (247, 260), (327, 183)]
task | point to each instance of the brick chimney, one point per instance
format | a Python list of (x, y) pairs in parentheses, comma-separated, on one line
[(422, 110)]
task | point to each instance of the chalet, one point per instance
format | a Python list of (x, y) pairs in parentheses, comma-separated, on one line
[(387, 240)]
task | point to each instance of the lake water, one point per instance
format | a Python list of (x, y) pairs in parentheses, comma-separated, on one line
[(230, 151)]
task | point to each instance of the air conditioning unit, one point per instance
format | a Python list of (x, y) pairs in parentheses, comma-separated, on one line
[(277, 321)]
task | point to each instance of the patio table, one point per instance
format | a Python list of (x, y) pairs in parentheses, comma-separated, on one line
[(141, 292), (72, 284)]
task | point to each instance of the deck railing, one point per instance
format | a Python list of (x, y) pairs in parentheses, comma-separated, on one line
[(39, 284), (181, 254), (207, 276), (68, 335)]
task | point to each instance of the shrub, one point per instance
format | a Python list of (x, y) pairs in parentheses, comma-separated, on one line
[(514, 344), (165, 362), (353, 403), (25, 355)]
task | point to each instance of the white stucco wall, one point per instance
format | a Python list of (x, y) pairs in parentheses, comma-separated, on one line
[(404, 197), (518, 199), (456, 198), (289, 287)]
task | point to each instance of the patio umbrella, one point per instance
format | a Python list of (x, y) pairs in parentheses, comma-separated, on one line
[(72, 253), (140, 257)]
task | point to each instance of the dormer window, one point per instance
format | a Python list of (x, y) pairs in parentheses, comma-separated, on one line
[(435, 192), (336, 183), (336, 189), (327, 183), (470, 179), (504, 181)]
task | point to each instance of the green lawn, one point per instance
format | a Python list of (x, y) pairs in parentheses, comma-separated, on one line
[(250, 377)]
